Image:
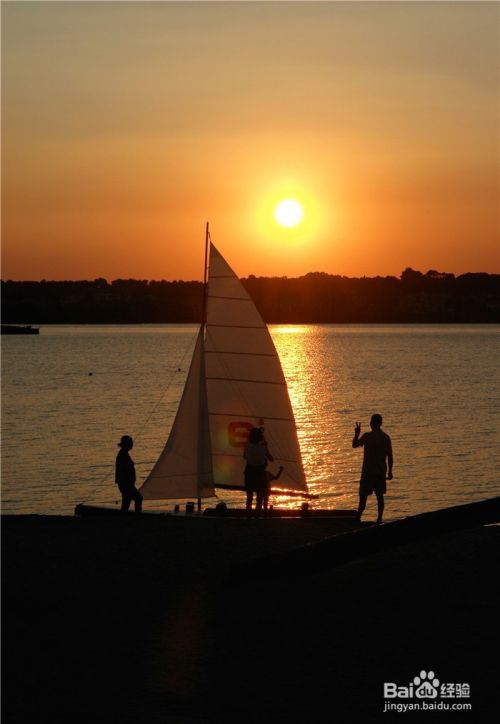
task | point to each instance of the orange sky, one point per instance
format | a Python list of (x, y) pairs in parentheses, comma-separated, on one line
[(127, 125)]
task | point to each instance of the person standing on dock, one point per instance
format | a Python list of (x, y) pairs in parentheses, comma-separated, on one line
[(377, 450), (125, 476)]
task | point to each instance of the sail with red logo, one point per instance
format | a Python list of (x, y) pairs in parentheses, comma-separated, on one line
[(235, 383), (245, 384)]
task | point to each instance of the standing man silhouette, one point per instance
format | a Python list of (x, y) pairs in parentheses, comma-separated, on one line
[(256, 455), (377, 449), (125, 476)]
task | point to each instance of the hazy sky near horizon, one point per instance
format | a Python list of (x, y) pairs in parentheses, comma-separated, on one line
[(127, 125)]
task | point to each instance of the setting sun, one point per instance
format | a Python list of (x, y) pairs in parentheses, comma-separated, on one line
[(289, 213)]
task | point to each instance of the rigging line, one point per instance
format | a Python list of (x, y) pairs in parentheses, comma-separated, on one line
[(137, 435), (143, 427)]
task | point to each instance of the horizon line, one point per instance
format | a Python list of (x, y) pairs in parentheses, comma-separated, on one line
[(430, 273)]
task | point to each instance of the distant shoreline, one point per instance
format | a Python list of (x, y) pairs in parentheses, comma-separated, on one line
[(316, 298), (271, 324)]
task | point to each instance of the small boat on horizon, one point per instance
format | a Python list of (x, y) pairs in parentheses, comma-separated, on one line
[(19, 329)]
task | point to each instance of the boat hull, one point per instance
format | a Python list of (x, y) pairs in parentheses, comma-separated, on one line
[(19, 329), (96, 510)]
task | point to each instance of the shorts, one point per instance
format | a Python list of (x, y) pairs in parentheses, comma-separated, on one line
[(255, 478), (372, 484)]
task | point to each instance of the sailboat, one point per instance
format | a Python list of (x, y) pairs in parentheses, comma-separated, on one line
[(235, 383)]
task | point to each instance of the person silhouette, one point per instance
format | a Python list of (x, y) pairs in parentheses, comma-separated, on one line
[(256, 455), (269, 479), (377, 448), (125, 476)]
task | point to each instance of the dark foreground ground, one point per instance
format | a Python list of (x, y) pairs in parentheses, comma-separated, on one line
[(147, 621)]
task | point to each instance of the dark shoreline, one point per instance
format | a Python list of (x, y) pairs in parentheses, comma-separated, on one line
[(132, 620), (315, 298), (271, 324)]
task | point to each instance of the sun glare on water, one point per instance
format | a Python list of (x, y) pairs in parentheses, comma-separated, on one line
[(288, 213)]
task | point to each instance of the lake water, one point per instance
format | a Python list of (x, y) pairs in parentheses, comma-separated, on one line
[(436, 386)]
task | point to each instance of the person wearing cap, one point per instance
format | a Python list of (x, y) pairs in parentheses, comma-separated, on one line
[(125, 476)]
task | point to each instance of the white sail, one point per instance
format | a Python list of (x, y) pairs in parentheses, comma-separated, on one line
[(184, 468), (235, 382), (245, 383)]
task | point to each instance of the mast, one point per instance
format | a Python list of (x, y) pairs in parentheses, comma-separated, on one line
[(203, 324), (205, 285)]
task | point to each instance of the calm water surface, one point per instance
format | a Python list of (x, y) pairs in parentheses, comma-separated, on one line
[(436, 386)]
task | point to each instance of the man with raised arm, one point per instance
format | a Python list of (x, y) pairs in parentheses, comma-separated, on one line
[(377, 450)]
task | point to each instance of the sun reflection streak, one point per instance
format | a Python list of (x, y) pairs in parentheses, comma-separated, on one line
[(290, 329), (301, 360)]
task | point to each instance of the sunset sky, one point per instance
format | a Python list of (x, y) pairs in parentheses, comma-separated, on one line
[(127, 125)]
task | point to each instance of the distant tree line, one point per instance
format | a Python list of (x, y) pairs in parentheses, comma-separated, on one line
[(313, 298)]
